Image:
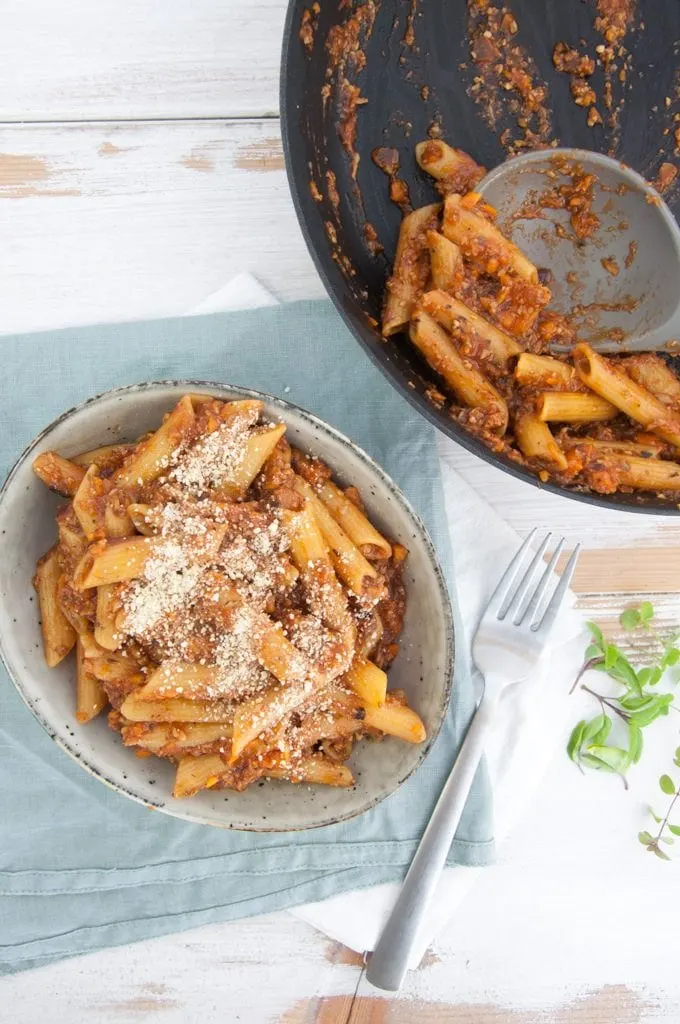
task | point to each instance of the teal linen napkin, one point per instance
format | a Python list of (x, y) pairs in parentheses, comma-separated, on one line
[(82, 867)]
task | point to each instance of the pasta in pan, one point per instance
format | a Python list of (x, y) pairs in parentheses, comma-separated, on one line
[(234, 607), (476, 309)]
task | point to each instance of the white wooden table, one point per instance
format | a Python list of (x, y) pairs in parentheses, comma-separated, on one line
[(140, 169)]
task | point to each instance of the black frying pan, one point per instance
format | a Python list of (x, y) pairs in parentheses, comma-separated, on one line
[(410, 87)]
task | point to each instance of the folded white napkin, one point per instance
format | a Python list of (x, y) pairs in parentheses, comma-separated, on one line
[(535, 715)]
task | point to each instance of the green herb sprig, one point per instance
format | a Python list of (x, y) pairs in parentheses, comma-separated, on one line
[(652, 842), (637, 705)]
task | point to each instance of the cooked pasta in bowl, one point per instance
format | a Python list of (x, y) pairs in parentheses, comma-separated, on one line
[(229, 592)]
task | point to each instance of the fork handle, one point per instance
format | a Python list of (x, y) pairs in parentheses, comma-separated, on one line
[(389, 961)]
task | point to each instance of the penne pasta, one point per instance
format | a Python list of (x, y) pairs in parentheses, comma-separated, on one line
[(107, 458), (72, 540), (105, 632), (151, 457), (248, 409), (469, 385), (395, 719), (59, 474), (118, 560), (455, 316), (171, 739), (88, 501), (482, 242), (189, 681), (177, 710), (446, 262), (351, 566), (75, 605), (644, 474), (368, 682), (307, 544), (258, 448), (314, 770), (90, 696), (447, 164), (117, 521), (646, 450), (116, 668), (573, 407), (536, 442), (264, 712), (545, 372), (197, 773), (59, 636), (114, 561), (411, 268), (612, 383), (356, 525), (145, 518), (650, 371)]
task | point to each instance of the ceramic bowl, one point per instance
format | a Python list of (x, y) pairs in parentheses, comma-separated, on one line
[(423, 669)]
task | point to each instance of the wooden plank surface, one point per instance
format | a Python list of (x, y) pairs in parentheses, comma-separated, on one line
[(112, 221), (108, 60), (158, 177)]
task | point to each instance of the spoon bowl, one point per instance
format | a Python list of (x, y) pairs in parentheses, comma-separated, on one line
[(620, 285)]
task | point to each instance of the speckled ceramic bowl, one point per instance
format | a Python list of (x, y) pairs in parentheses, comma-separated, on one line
[(423, 668)]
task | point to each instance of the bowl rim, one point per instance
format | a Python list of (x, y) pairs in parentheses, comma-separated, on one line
[(336, 289), (445, 601)]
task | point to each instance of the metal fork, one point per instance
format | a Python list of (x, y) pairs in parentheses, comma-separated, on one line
[(509, 642)]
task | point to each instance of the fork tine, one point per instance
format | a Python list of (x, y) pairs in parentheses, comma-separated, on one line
[(545, 623), (514, 602), (530, 610), (508, 578)]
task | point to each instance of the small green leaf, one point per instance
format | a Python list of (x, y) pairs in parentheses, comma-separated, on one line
[(592, 651), (635, 742), (645, 838), (656, 817), (596, 632), (646, 611), (630, 618), (657, 672), (638, 702), (672, 656), (602, 734), (675, 829), (623, 672), (590, 761), (659, 853), (667, 785), (667, 840), (617, 759), (611, 655), (597, 730), (644, 676), (575, 740), (646, 716)]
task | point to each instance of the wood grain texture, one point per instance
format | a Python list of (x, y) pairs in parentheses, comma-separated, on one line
[(124, 215), (118, 222), (611, 1003), (627, 571), (107, 60)]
